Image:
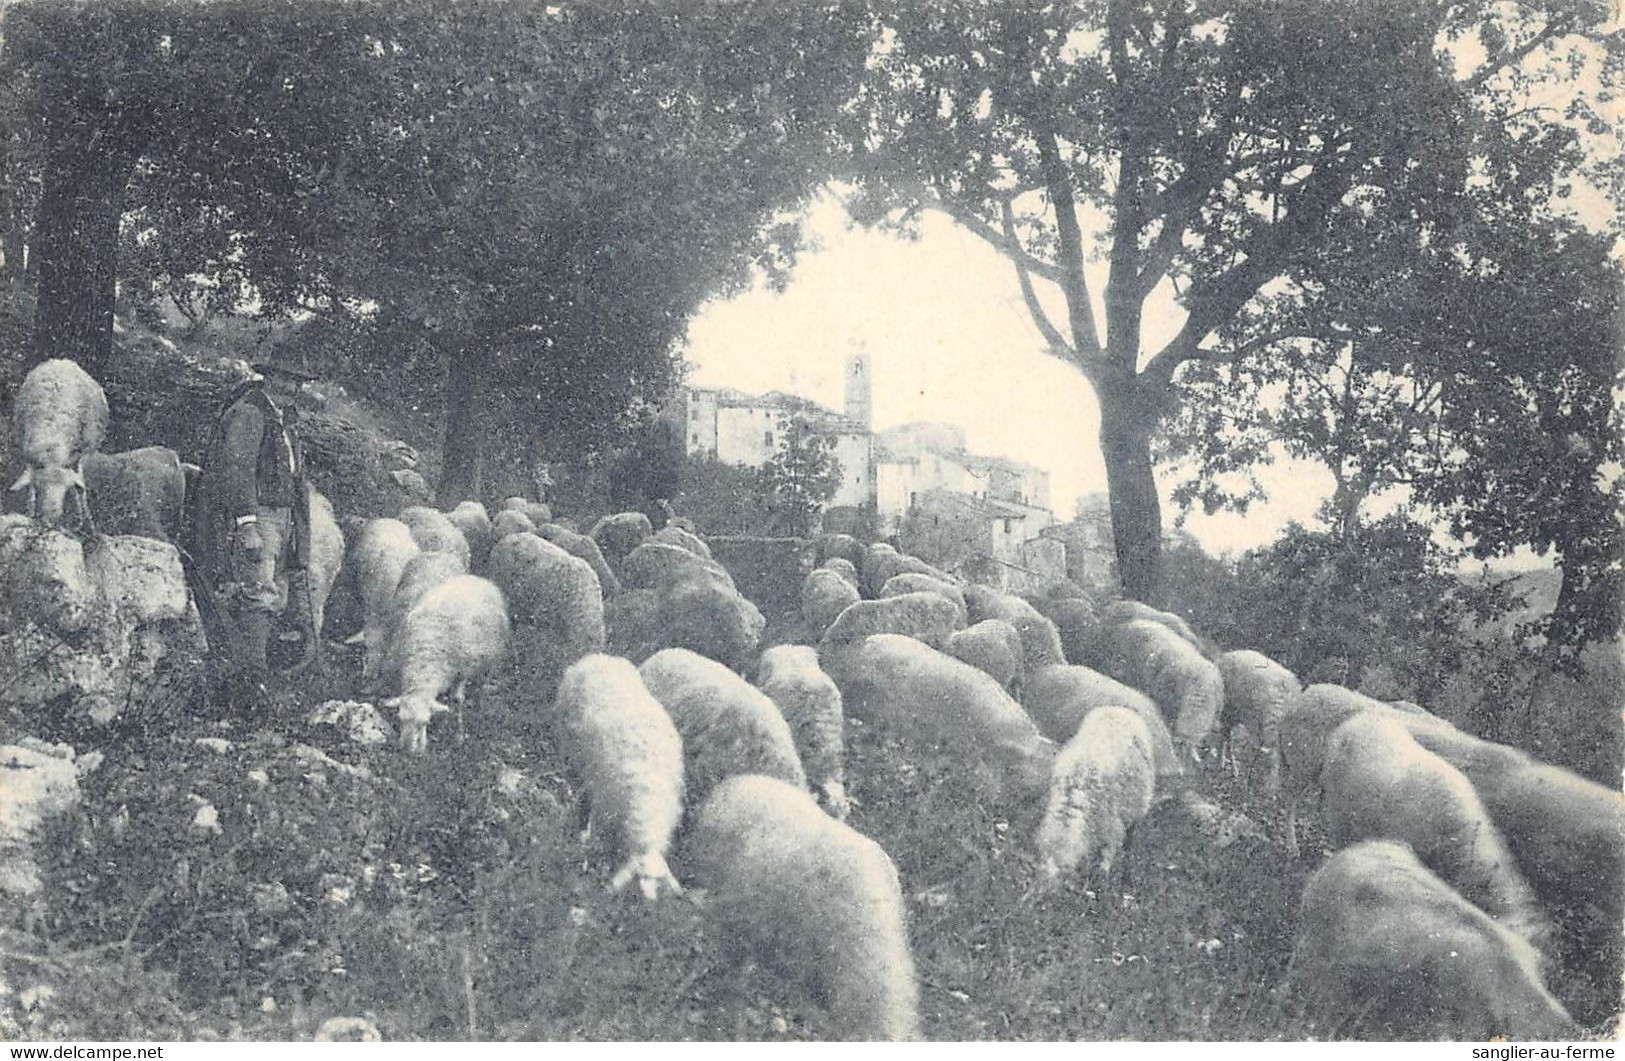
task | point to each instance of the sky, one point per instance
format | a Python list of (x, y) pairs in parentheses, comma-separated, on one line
[(949, 338)]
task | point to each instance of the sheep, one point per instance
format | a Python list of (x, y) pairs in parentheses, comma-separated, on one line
[(1380, 936), (811, 704), (842, 567), (1075, 622), (839, 547), (434, 533), (326, 555), (1127, 611), (617, 535), (583, 548), (674, 535), (824, 595), (551, 591), (510, 521), (1101, 786), (514, 504), (880, 562), (728, 726), (539, 513), (1378, 783), (140, 491), (1059, 698), (454, 635), (1258, 693), (474, 522), (698, 616), (1040, 641), (656, 565), (377, 561), (1410, 708), (927, 617), (912, 582), (58, 417), (421, 573), (993, 647), (1169, 669), (811, 898), (626, 752), (938, 705)]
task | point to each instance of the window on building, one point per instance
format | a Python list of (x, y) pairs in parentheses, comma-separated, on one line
[(696, 438), (1007, 527), (767, 438)]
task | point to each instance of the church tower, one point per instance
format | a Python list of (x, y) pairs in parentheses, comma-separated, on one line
[(857, 386)]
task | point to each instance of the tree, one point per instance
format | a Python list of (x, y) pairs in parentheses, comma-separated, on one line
[(1228, 143), (799, 480)]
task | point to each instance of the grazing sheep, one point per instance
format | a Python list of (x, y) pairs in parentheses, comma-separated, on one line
[(658, 566), (728, 725), (940, 706), (140, 492), (326, 555), (1040, 641), (1060, 698), (1377, 783), (551, 591), (927, 617), (58, 417), (1258, 693), (913, 582), (994, 647), (456, 634), (1127, 611), (825, 594), (841, 567), (474, 522), (1169, 669), (617, 535), (1410, 708), (510, 521), (514, 504), (880, 562), (698, 616), (378, 559), (583, 548), (1075, 622), (674, 535), (423, 572), (811, 898), (1101, 786), (434, 533), (811, 704), (1383, 938), (540, 513), (622, 746), (839, 547)]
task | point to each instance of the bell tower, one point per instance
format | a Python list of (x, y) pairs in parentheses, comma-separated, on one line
[(857, 386)]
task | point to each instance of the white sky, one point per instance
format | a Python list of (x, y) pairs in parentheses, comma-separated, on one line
[(949, 339)]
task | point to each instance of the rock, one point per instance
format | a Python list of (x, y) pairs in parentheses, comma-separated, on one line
[(411, 483), (37, 781), (359, 720), (348, 1030)]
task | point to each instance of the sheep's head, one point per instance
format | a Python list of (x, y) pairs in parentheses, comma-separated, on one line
[(49, 489), (415, 711)]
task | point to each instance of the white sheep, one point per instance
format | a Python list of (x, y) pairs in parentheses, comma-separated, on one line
[(659, 566), (914, 582), (326, 555), (619, 533), (700, 616), (583, 548), (1385, 941), (994, 647), (140, 491), (455, 635), (671, 534), (1101, 785), (810, 702), (927, 617), (1059, 698), (551, 591), (378, 559), (937, 705), (623, 747), (728, 726), (509, 521), (880, 562), (1304, 730), (1378, 783), (1170, 670), (825, 594), (1040, 640), (843, 567), (471, 519), (811, 898), (1126, 611), (435, 533), (1258, 693), (58, 417)]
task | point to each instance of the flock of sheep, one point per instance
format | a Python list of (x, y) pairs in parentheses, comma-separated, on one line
[(1452, 855)]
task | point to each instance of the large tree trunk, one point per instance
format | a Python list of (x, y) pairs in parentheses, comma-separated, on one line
[(462, 458), (1125, 441), (76, 244)]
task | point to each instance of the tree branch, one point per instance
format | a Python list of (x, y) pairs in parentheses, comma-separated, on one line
[(1552, 30), (1058, 345), (1074, 284), (1005, 243)]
